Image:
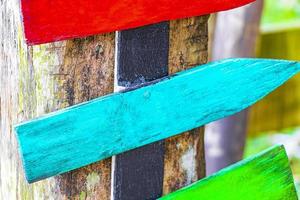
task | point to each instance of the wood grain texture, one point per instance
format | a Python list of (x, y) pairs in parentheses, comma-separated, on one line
[(184, 154), (264, 176), (87, 72), (31, 84), (142, 56), (77, 136), (47, 21), (235, 36)]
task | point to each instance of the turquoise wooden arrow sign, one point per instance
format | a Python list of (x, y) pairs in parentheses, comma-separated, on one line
[(263, 176), (91, 131)]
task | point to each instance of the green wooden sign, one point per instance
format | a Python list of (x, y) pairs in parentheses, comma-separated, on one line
[(266, 176)]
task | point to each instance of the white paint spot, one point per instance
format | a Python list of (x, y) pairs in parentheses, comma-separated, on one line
[(188, 163)]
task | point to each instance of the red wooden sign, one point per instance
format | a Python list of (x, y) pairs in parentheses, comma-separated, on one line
[(53, 20)]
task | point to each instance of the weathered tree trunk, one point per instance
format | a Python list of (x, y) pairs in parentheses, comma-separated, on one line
[(184, 154), (235, 36), (40, 79)]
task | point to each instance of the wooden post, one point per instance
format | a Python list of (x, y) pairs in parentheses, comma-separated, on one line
[(142, 56), (40, 79), (235, 36), (184, 154)]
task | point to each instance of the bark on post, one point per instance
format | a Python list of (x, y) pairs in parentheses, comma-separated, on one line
[(235, 36), (184, 154), (40, 79)]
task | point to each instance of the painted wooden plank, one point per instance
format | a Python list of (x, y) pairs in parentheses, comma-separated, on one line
[(142, 56), (48, 21), (263, 176), (91, 131)]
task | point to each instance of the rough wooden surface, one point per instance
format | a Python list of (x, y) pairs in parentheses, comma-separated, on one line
[(235, 36), (77, 136), (266, 175), (87, 72), (27, 90), (42, 79), (184, 154)]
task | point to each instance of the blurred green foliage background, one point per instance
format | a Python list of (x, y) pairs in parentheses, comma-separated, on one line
[(281, 13), (276, 119)]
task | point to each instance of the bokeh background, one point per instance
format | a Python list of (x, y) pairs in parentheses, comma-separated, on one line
[(265, 29), (276, 119)]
